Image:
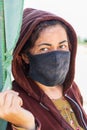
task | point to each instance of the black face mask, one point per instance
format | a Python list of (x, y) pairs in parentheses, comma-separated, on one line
[(49, 68)]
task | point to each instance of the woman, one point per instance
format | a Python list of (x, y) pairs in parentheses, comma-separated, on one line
[(44, 94)]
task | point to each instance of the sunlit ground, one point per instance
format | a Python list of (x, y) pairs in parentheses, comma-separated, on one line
[(81, 72)]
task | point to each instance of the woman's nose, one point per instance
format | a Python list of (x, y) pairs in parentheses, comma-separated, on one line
[(55, 48)]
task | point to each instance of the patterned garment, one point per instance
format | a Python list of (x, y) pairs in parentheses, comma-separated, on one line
[(66, 111)]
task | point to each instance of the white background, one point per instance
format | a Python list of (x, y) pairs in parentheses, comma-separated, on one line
[(74, 11)]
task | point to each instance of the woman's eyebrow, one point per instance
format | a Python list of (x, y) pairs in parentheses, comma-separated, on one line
[(63, 41), (47, 44)]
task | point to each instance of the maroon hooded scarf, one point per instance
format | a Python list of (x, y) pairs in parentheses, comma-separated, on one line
[(33, 97)]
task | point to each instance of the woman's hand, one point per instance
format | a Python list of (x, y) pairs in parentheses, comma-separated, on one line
[(11, 110)]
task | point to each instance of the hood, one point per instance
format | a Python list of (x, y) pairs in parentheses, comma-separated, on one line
[(32, 17)]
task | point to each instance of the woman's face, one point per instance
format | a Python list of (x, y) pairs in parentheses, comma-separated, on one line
[(52, 38)]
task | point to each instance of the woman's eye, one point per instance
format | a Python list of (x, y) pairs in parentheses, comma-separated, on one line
[(63, 46), (44, 49)]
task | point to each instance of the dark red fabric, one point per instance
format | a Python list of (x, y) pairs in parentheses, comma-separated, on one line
[(47, 116)]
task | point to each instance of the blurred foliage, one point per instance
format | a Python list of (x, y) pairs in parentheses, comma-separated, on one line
[(82, 41)]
